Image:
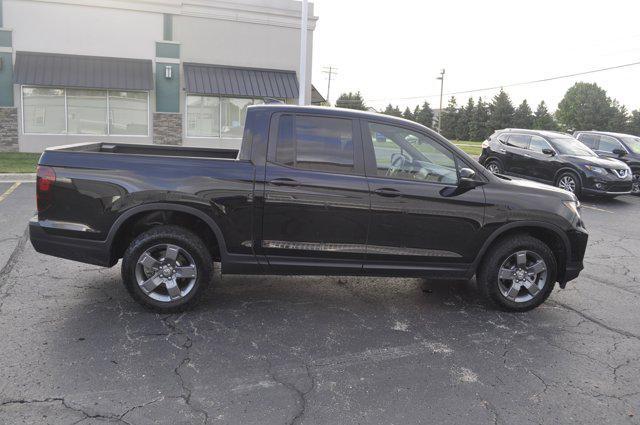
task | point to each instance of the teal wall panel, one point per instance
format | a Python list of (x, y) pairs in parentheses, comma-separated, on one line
[(167, 27), (5, 38), (6, 80), (167, 89), (168, 50)]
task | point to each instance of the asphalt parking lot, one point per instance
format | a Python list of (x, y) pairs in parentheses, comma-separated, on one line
[(287, 350)]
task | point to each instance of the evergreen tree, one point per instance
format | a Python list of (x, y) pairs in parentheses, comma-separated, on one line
[(479, 124), (351, 101), (634, 123), (619, 120), (586, 106), (449, 117), (502, 112), (465, 115), (425, 115), (392, 110), (542, 119), (408, 115), (523, 117)]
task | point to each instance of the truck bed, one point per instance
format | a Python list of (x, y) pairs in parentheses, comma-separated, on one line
[(156, 150)]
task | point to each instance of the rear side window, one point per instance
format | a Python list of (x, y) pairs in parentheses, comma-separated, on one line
[(315, 143), (519, 140), (590, 140)]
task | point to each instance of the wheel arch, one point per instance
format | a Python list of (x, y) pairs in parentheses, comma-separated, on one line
[(567, 169), (202, 224), (548, 233)]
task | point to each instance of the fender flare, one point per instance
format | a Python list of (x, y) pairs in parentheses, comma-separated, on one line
[(521, 224), (163, 206), (564, 169)]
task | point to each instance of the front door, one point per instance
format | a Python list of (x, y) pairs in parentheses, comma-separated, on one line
[(517, 154), (316, 210), (419, 225)]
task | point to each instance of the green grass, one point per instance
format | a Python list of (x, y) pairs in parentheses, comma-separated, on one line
[(472, 148), (18, 162)]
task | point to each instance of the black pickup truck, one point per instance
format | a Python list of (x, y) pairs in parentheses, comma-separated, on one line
[(312, 191)]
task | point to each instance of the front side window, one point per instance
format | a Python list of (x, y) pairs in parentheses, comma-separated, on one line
[(43, 110), (85, 111), (315, 143), (519, 141), (608, 144), (538, 144), (404, 154), (633, 143)]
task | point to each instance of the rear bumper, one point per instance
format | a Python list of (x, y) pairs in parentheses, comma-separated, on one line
[(76, 249)]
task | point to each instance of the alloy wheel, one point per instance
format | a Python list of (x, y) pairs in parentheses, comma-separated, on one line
[(635, 189), (567, 183), (166, 272), (493, 167), (522, 276)]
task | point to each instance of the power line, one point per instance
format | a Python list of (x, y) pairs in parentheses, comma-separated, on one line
[(542, 80)]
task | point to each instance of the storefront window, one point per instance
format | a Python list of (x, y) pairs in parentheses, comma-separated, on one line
[(233, 115), (86, 111), (43, 110), (128, 113), (203, 116)]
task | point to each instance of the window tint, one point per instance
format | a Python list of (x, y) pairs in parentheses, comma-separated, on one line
[(403, 154), (519, 140), (608, 144), (590, 140), (315, 143), (538, 144)]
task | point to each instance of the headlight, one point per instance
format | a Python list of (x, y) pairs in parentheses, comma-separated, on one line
[(597, 170), (574, 206)]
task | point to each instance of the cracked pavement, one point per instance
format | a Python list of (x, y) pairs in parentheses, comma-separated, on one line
[(314, 350)]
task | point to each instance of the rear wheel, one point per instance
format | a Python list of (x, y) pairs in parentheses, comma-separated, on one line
[(494, 166), (167, 269), (518, 274), (635, 189), (570, 182)]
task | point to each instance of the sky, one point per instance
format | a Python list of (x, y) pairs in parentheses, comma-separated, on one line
[(394, 50)]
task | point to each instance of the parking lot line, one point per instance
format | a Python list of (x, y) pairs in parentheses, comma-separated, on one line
[(597, 209), (9, 191)]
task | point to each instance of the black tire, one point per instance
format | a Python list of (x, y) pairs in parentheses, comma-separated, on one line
[(496, 164), (636, 183), (571, 175), (489, 283), (191, 249)]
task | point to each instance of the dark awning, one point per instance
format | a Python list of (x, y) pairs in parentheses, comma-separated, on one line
[(316, 97), (234, 81), (52, 69)]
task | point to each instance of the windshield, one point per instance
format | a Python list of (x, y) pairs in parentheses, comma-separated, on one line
[(571, 146), (633, 143)]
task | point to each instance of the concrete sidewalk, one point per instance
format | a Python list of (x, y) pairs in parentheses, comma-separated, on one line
[(17, 177)]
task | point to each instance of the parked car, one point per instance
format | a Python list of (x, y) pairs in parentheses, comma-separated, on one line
[(555, 158), (313, 191), (625, 147)]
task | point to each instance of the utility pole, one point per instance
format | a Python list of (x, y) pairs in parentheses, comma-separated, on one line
[(330, 71), (302, 95), (441, 78)]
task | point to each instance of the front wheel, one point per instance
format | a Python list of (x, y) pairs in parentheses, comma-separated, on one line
[(494, 166), (635, 188), (570, 182), (167, 268), (518, 274)]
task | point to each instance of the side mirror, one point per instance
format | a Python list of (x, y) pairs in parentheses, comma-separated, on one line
[(468, 179), (467, 173), (549, 152), (619, 152)]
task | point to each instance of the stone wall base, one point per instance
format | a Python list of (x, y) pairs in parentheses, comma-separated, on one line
[(167, 128), (8, 129)]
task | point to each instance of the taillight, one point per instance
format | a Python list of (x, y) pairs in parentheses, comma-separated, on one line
[(485, 144), (45, 179)]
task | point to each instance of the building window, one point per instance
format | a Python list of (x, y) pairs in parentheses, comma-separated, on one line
[(85, 111), (44, 110), (213, 116)]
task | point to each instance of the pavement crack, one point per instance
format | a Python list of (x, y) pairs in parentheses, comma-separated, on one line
[(11, 262), (300, 394), (597, 321), (67, 405)]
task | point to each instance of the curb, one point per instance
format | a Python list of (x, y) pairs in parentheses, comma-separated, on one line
[(17, 177)]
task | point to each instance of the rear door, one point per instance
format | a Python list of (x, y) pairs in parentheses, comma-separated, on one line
[(518, 158), (316, 210), (417, 226)]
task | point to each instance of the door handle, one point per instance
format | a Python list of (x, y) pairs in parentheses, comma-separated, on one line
[(284, 181), (387, 191)]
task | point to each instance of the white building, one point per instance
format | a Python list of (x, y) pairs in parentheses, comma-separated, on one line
[(142, 71)]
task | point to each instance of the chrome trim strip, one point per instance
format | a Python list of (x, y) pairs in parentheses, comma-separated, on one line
[(358, 249), (65, 225)]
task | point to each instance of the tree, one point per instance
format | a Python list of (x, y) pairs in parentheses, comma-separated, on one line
[(619, 120), (408, 115), (478, 126), (523, 117), (448, 119), (392, 110), (502, 111), (634, 123), (585, 106), (465, 115), (351, 101), (424, 115), (542, 119)]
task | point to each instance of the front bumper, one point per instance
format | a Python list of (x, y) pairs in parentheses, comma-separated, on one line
[(578, 239), (607, 186), (76, 249)]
